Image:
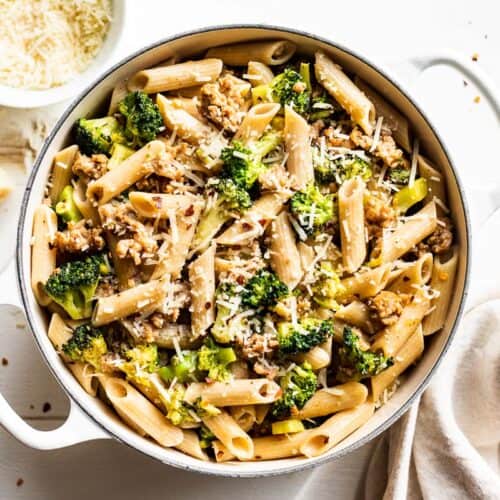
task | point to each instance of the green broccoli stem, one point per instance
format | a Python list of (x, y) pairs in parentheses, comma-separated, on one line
[(66, 207), (267, 143)]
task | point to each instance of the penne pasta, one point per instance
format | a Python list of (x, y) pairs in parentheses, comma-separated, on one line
[(334, 399), (259, 73), (190, 445), (62, 172), (408, 354), (244, 416), (365, 284), (352, 223), (119, 93), (134, 168), (358, 314), (271, 53), (176, 76), (161, 206), (256, 121), (413, 276), (442, 281), (335, 429), (436, 187), (343, 90), (236, 393), (43, 255), (298, 149), (318, 357)]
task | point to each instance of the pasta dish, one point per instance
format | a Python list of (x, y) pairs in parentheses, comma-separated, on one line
[(245, 254)]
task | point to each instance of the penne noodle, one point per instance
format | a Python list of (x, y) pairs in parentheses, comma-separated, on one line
[(318, 357), (416, 274), (266, 448), (442, 282), (334, 399), (261, 412), (256, 120), (190, 444), (298, 149), (365, 284), (125, 269), (119, 93), (190, 105), (285, 258), (244, 416), (352, 223), (259, 73), (234, 438), (393, 337), (83, 204), (235, 393), (140, 412), (436, 187), (128, 302), (335, 429), (254, 221), (161, 205), (393, 119), (134, 168), (407, 355), (271, 53), (43, 255), (343, 90), (202, 279), (358, 314), (185, 125), (176, 76), (61, 172)]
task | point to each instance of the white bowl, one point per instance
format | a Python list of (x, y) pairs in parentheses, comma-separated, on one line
[(22, 98)]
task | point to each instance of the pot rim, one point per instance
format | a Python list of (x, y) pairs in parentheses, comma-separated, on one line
[(227, 471)]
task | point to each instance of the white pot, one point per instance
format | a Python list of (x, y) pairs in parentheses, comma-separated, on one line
[(91, 419)]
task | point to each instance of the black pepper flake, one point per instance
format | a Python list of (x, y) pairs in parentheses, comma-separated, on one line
[(465, 83), (46, 407), (208, 305), (5, 361), (19, 482), (32, 407)]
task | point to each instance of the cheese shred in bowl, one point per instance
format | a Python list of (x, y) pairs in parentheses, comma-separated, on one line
[(45, 43)]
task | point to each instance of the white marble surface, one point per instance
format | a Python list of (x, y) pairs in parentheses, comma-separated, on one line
[(386, 31)]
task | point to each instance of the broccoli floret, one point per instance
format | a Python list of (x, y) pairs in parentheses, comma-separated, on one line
[(140, 361), (230, 199), (66, 207), (290, 88), (327, 286), (143, 121), (98, 134), (206, 437), (182, 368), (73, 285), (399, 175), (243, 164), (264, 289), (178, 412), (214, 360), (298, 386), (86, 345), (302, 337), (119, 153), (312, 208), (220, 331), (339, 169), (322, 107), (356, 364)]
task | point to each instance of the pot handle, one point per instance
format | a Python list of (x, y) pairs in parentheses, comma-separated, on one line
[(77, 428), (484, 200)]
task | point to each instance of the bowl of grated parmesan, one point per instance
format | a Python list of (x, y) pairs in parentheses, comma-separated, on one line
[(51, 49)]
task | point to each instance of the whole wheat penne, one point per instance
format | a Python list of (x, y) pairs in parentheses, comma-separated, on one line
[(392, 338), (356, 313), (43, 255), (176, 76), (335, 429), (318, 357), (442, 282), (244, 416), (334, 399), (123, 304), (235, 393), (436, 186), (408, 354), (259, 73), (120, 91), (366, 284), (256, 121), (416, 274), (240, 54), (162, 205), (135, 167), (190, 444), (62, 171), (343, 90)]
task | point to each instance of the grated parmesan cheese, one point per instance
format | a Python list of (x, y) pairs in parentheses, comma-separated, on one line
[(45, 43)]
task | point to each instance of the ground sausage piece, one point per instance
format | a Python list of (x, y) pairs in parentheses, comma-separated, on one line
[(224, 102), (90, 168), (441, 239), (378, 214), (79, 237), (388, 306)]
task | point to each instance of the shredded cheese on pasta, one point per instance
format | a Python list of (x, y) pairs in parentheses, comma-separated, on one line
[(45, 43)]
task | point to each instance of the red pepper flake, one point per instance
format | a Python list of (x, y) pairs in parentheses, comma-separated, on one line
[(208, 305), (46, 407), (240, 280), (246, 226), (475, 56), (19, 482), (5, 361), (262, 222), (189, 211)]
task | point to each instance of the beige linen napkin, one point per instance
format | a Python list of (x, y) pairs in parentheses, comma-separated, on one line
[(447, 445)]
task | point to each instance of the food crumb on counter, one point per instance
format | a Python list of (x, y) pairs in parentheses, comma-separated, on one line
[(32, 407), (477, 99), (19, 482), (465, 83), (5, 361), (475, 56), (46, 407)]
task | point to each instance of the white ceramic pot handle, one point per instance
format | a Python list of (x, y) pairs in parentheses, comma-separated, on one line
[(483, 200), (77, 428)]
